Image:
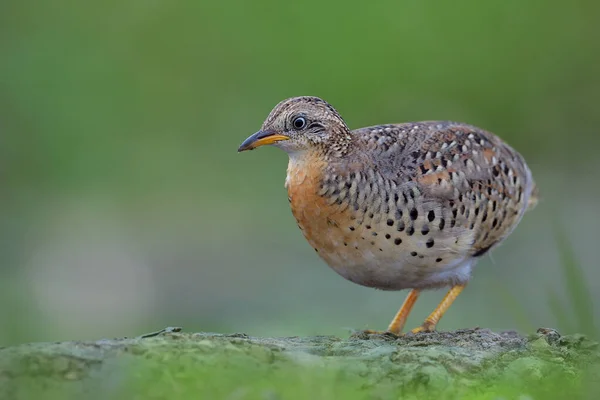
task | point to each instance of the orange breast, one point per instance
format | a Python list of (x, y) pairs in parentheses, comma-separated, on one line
[(372, 253), (315, 217)]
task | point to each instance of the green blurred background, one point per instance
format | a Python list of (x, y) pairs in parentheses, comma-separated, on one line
[(126, 208)]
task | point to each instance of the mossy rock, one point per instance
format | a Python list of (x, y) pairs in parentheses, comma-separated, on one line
[(471, 362)]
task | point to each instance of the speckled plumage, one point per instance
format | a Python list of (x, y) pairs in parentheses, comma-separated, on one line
[(398, 206)]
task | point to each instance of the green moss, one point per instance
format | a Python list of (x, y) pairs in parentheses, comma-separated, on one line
[(473, 363)]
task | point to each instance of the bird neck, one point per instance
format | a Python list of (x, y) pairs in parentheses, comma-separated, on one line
[(304, 167), (339, 144)]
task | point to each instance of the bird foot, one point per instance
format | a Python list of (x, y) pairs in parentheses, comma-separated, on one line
[(425, 327)]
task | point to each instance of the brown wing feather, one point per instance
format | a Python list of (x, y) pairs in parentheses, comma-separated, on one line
[(478, 182), (479, 178)]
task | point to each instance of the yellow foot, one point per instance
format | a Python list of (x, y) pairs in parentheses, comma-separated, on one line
[(426, 327)]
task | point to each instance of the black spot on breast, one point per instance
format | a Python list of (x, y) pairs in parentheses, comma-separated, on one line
[(413, 253), (424, 230), (442, 223), (429, 243), (494, 222), (438, 260), (374, 233), (414, 214), (368, 226), (352, 228), (431, 216), (397, 241), (387, 236), (398, 214), (400, 226), (410, 231), (390, 222)]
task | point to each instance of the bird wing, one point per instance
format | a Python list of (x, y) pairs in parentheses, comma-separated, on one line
[(468, 176)]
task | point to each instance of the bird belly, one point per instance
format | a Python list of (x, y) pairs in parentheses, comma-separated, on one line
[(370, 253), (374, 262)]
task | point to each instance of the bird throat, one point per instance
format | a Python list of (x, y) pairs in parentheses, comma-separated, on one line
[(303, 183)]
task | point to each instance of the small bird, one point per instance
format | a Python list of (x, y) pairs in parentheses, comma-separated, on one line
[(398, 206)]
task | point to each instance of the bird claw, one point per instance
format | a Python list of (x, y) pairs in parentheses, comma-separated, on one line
[(425, 327)]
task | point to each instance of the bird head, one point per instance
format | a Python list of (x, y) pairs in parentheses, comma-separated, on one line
[(302, 124)]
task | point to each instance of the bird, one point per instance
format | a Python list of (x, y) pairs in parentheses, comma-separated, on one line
[(398, 206)]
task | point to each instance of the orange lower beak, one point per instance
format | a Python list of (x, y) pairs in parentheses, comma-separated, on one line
[(261, 138)]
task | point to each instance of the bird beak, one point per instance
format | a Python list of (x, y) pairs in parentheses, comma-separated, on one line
[(261, 138)]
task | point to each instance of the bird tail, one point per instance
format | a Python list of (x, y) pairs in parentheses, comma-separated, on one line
[(534, 198)]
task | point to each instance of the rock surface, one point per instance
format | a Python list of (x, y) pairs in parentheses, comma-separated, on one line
[(432, 359)]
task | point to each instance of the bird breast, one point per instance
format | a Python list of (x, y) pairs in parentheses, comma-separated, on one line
[(363, 245)]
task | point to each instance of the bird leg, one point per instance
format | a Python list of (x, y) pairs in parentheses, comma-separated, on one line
[(437, 314), (399, 320)]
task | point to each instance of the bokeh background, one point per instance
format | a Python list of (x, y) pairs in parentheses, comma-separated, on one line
[(125, 207)]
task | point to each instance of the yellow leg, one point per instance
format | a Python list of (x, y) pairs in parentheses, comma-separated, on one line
[(399, 320), (440, 310)]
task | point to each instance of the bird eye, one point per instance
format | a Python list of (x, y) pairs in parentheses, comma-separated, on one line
[(299, 122)]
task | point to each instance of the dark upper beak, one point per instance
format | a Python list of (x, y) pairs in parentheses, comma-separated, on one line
[(261, 138)]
